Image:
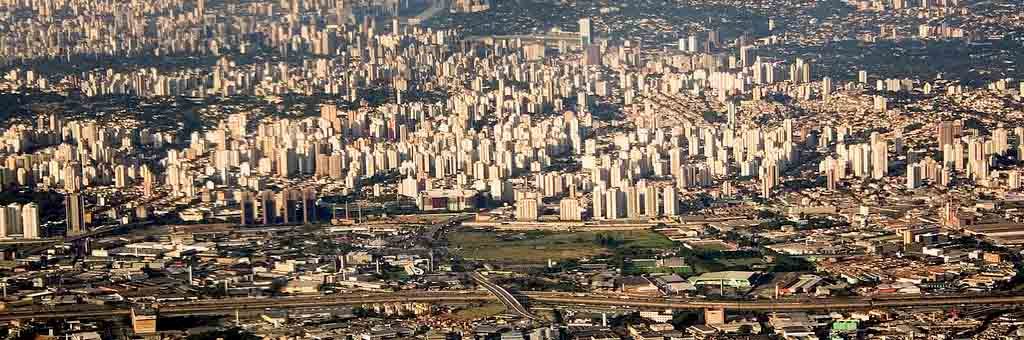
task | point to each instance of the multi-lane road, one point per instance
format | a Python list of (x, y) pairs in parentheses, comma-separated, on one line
[(229, 306), (504, 296), (775, 305)]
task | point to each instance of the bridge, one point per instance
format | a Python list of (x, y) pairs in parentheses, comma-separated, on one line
[(504, 296)]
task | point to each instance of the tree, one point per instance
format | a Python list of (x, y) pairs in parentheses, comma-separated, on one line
[(606, 240), (277, 286), (362, 312), (682, 320)]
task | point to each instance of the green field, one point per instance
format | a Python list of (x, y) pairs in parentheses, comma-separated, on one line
[(538, 247), (731, 261)]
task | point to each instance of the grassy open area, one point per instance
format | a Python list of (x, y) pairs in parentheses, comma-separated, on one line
[(741, 262), (538, 247), (713, 262), (630, 269), (479, 312)]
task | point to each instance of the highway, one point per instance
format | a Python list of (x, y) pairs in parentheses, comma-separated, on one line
[(775, 305), (504, 296), (229, 306)]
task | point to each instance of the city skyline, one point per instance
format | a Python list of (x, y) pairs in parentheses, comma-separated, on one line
[(514, 169)]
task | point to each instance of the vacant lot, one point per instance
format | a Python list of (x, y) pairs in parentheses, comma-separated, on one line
[(538, 247), (479, 311)]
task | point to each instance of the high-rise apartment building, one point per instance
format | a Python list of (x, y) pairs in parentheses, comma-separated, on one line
[(120, 176), (12, 220), (247, 208), (586, 35), (769, 179), (670, 200), (527, 209), (569, 210), (74, 207), (914, 176), (746, 55), (287, 162), (266, 202), (879, 159), (826, 87), (948, 131), (309, 210), (30, 221), (615, 207), (598, 203), (650, 201)]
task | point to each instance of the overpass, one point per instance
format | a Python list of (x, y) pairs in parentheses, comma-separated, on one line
[(504, 296), (33, 246), (229, 306)]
